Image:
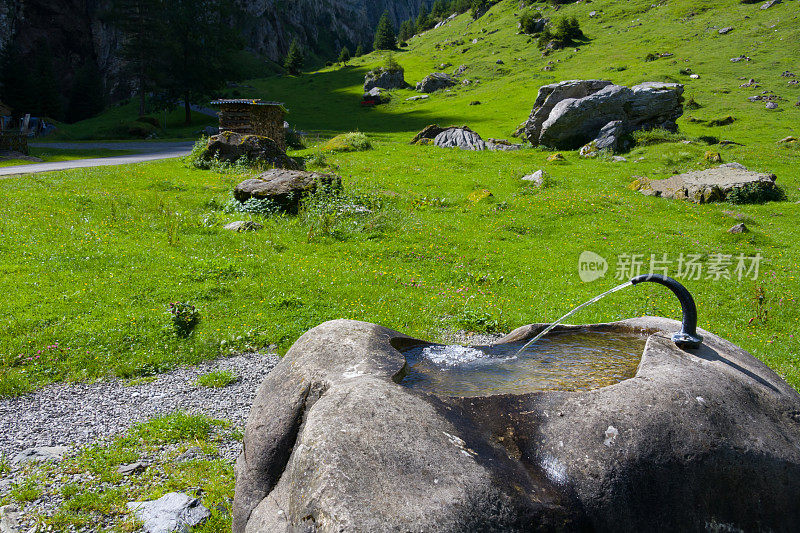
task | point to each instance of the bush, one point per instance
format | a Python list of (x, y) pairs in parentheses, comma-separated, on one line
[(348, 142), (755, 193), (567, 31), (141, 130), (528, 23), (655, 136), (185, 318), (252, 206), (153, 121), (217, 379), (390, 63)]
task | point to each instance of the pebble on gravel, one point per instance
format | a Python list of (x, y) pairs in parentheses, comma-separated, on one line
[(172, 512)]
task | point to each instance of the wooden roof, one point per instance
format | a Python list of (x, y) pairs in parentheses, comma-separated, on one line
[(248, 101)]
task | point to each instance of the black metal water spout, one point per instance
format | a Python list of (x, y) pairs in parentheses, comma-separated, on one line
[(687, 337)]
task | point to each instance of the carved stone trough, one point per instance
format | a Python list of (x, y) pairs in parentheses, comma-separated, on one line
[(699, 440)]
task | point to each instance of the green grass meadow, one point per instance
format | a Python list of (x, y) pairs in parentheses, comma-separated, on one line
[(92, 257)]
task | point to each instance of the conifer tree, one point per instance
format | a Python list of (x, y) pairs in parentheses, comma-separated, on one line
[(424, 21), (359, 50), (344, 56), (384, 34), (141, 23), (294, 58)]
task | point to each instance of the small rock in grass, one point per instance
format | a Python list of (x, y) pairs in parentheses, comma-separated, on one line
[(767, 5), (788, 139), (618, 159), (500, 62), (418, 97), (243, 225), (195, 452), (479, 195), (172, 512), (132, 468), (713, 157), (555, 157), (738, 228), (694, 76), (725, 30), (42, 453), (537, 178), (10, 517), (771, 105)]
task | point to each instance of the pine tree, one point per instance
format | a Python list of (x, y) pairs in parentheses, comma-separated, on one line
[(359, 51), (479, 7), (424, 21), (294, 58), (407, 30), (87, 97), (344, 56), (49, 102), (17, 89), (199, 45), (384, 34), (141, 23), (439, 9)]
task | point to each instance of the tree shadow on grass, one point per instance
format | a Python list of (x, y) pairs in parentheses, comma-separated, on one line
[(330, 101)]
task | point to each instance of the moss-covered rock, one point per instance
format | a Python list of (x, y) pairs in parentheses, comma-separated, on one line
[(231, 147)]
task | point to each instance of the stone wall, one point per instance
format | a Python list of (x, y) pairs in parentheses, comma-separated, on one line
[(265, 120)]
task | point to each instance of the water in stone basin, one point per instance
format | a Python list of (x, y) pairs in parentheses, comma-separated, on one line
[(572, 361)]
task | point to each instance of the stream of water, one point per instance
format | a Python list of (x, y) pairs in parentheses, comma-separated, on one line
[(563, 318)]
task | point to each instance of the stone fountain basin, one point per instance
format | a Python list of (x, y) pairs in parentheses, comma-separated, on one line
[(705, 439)]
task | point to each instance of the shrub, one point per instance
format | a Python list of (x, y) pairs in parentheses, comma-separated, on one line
[(217, 379), (171, 428), (348, 142), (755, 193), (185, 318), (651, 57), (479, 322), (197, 157), (567, 31), (390, 63), (655, 136), (528, 23), (317, 159), (251, 206)]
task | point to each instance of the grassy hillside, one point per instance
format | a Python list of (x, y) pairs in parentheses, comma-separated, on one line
[(131, 239)]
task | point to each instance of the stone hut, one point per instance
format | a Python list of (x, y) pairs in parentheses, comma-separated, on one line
[(253, 117)]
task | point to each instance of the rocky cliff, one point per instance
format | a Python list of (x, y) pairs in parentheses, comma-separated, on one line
[(76, 34)]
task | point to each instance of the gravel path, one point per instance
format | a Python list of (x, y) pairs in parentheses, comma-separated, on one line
[(75, 414), (151, 152)]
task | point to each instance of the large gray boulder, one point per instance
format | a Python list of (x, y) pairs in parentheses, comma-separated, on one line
[(463, 138), (570, 114), (711, 185), (230, 147), (697, 440), (286, 188), (434, 82), (385, 79)]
